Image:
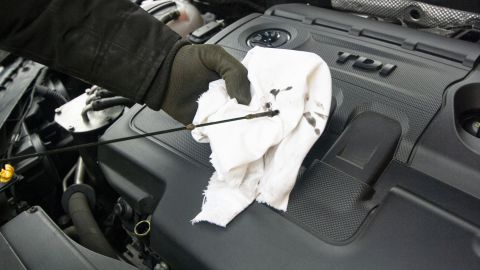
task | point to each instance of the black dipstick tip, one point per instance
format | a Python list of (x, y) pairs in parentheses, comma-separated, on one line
[(275, 112)]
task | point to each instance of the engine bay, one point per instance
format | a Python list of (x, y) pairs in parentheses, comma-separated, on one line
[(392, 183)]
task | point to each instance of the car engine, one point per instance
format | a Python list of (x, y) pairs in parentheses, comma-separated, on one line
[(392, 183)]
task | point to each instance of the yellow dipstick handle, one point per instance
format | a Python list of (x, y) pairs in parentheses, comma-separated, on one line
[(7, 173)]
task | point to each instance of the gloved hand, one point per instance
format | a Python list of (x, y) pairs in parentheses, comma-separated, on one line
[(194, 67)]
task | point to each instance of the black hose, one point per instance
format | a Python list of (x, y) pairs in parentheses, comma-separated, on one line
[(98, 94), (104, 93), (88, 231), (104, 103), (45, 91)]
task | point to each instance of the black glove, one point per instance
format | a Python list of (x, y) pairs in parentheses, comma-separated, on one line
[(194, 67)]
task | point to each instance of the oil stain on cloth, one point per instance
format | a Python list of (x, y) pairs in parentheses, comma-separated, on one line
[(258, 159)]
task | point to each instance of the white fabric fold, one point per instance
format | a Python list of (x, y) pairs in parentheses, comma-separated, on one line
[(259, 159)]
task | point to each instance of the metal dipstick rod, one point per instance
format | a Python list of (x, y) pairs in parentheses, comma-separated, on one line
[(94, 144)]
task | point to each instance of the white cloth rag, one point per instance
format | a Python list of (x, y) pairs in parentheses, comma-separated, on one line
[(259, 159)]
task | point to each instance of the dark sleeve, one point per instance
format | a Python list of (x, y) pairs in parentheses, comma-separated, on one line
[(111, 43)]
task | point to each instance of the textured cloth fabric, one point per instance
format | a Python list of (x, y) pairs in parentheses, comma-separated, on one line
[(259, 159)]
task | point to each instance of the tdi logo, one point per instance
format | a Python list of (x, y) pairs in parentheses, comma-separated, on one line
[(364, 63)]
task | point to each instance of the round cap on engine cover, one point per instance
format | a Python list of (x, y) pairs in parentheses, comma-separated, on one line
[(270, 38)]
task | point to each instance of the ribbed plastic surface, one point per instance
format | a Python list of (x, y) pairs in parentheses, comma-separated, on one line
[(329, 203), (148, 121), (325, 200)]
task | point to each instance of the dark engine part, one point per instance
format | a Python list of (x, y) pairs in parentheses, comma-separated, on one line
[(34, 93), (78, 200), (357, 194), (88, 231), (33, 241), (30, 128)]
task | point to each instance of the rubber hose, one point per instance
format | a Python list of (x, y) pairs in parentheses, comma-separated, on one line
[(103, 93), (45, 91), (88, 231), (104, 103)]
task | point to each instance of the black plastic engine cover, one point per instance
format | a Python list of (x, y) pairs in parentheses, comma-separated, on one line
[(402, 219)]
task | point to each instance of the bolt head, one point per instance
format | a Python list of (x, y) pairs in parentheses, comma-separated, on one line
[(58, 110), (71, 128)]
